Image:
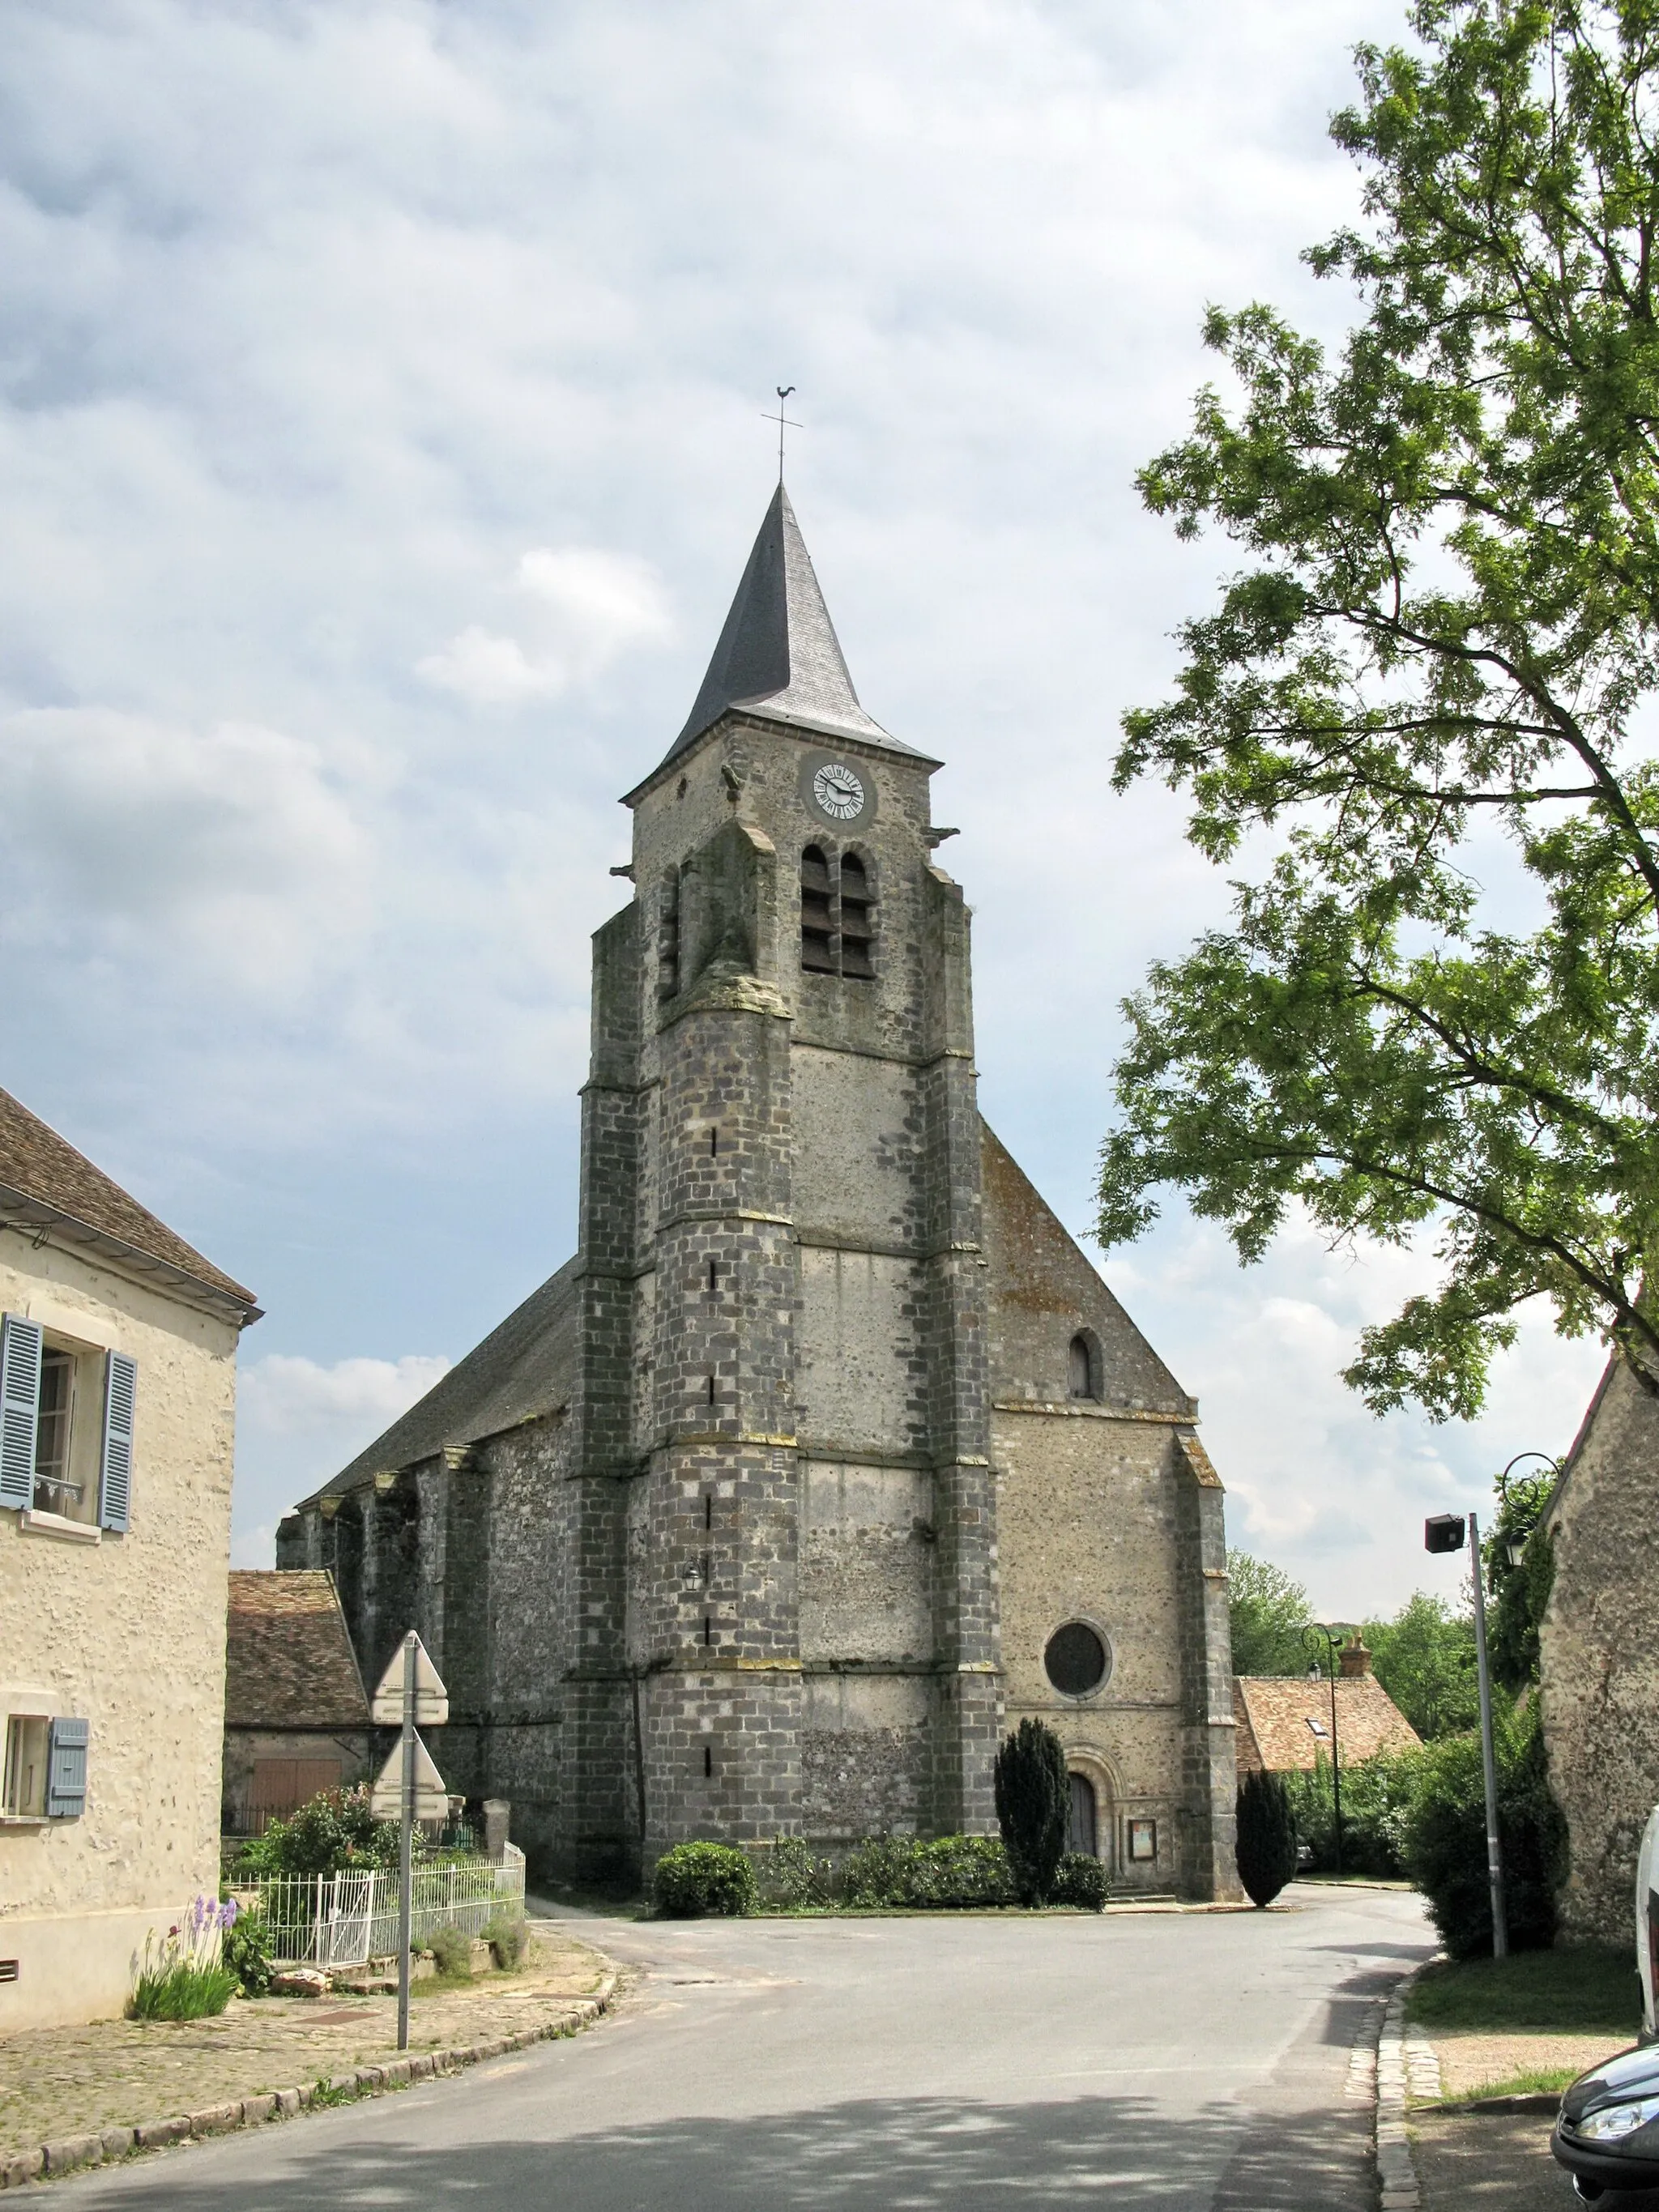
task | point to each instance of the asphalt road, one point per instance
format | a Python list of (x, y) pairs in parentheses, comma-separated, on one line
[(1198, 2060)]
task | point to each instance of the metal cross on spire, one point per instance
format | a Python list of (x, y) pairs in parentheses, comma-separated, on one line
[(783, 392)]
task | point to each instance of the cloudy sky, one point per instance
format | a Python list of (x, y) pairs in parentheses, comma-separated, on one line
[(380, 444)]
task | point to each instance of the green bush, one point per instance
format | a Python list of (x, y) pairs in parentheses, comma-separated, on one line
[(1080, 1880), (907, 1874), (786, 1875), (1376, 1800), (1266, 1846), (245, 1949), (335, 1830), (1034, 1803), (1446, 1837), (452, 1953), (508, 1939), (693, 1879), (185, 1978)]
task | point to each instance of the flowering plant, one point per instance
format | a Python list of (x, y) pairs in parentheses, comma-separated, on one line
[(184, 1977)]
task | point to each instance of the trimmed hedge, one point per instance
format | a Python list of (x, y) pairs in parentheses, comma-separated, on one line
[(950, 1870), (695, 1879), (1080, 1880)]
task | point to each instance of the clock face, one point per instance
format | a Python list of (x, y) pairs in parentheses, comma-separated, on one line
[(838, 791)]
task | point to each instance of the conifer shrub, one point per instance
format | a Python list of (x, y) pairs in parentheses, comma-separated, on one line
[(1446, 1837), (1033, 1801), (695, 1879), (1080, 1880), (1266, 1846)]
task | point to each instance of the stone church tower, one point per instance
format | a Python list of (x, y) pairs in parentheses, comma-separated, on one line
[(829, 1455)]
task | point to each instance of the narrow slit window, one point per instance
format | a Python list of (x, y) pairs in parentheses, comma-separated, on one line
[(817, 924), (1081, 1379), (714, 1274), (709, 1509), (714, 1144), (711, 1389), (708, 1762), (708, 1629)]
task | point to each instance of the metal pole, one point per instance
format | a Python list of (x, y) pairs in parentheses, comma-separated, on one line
[(1500, 1934), (1336, 1763), (406, 1850)]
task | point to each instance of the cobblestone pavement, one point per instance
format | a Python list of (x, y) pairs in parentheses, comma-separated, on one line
[(67, 2081)]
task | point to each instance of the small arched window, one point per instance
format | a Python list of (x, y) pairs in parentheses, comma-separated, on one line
[(1080, 1380), (817, 952)]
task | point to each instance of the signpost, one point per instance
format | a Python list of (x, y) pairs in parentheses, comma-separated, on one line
[(408, 1787)]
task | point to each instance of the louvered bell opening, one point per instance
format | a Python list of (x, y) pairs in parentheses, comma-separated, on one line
[(856, 928), (817, 920)]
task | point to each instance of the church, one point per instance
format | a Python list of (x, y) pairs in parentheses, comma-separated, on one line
[(829, 1456)]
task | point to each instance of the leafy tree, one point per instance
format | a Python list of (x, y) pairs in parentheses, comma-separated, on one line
[(1269, 1612), (1425, 1659), (1519, 1592), (1433, 667), (1033, 1801), (1266, 1848)]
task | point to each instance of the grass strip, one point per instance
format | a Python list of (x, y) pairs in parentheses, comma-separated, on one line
[(1590, 1988)]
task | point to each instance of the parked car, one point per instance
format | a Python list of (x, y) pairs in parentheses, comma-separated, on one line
[(1608, 2133)]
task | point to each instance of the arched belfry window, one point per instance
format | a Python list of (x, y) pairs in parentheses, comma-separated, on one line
[(1081, 1379), (855, 930), (817, 922), (837, 910)]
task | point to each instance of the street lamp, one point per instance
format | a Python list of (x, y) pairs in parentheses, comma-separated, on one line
[(1445, 1532), (1334, 1643), (1514, 1550)]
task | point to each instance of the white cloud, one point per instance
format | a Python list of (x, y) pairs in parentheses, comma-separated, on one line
[(299, 1421), (586, 609)]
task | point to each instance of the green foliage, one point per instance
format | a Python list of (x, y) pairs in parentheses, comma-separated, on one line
[(1080, 1881), (335, 1830), (788, 1877), (1582, 1988), (693, 1879), (1425, 1659), (1266, 1848), (1446, 1837), (1033, 1801), (1268, 1612), (245, 1949), (904, 1873), (451, 1953), (1518, 1595), (1443, 631), (508, 1937), (1376, 1801), (184, 1976)]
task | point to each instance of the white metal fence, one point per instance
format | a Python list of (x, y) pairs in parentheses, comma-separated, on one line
[(347, 1919)]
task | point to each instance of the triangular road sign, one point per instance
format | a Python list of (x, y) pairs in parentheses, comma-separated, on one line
[(431, 1699), (431, 1798)]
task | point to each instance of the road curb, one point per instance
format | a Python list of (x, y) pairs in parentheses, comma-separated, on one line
[(1406, 2067), (73, 2153)]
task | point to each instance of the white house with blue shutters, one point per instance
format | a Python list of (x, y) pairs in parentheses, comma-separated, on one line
[(118, 1392)]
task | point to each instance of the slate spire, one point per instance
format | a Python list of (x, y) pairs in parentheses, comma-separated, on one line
[(778, 655)]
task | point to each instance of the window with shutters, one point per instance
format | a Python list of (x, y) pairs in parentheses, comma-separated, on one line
[(28, 1752), (837, 914), (66, 1420)]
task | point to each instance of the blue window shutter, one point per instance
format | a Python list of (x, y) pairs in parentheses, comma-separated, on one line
[(20, 1408), (115, 1476), (66, 1770)]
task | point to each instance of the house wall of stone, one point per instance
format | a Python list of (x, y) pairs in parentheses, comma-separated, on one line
[(1600, 1656), (128, 1632)]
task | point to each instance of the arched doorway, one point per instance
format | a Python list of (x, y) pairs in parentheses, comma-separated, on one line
[(1082, 1827)]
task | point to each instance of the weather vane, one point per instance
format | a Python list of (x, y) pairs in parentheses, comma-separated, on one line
[(783, 392)]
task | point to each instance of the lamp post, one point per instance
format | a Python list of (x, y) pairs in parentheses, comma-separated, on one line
[(1445, 1532), (1333, 1646), (1513, 1549)]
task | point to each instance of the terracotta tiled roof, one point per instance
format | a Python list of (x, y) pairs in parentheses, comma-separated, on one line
[(288, 1661), (1285, 1723), (40, 1169)]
